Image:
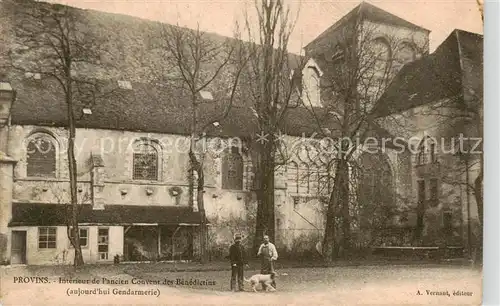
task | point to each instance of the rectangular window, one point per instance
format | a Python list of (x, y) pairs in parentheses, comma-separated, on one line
[(103, 243), (84, 237), (433, 189), (421, 191), (447, 220), (47, 237), (433, 152), (422, 157), (232, 170)]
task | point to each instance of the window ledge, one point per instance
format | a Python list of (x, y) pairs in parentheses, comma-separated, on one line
[(145, 182), (306, 195), (41, 178)]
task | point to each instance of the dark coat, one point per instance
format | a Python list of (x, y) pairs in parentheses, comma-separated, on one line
[(237, 254)]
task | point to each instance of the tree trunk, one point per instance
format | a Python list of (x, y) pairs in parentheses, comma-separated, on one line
[(261, 219), (329, 238), (343, 203), (478, 194), (339, 201), (203, 225), (74, 232), (417, 237), (264, 176), (197, 167), (269, 195)]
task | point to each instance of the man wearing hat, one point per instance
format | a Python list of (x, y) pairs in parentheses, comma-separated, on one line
[(238, 259)]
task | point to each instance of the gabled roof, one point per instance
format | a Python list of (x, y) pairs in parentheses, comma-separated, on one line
[(150, 105), (132, 45), (455, 68), (38, 214), (370, 12)]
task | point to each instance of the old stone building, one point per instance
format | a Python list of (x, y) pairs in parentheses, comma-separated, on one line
[(439, 98), (132, 152)]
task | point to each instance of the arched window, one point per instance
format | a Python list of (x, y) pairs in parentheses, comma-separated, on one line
[(313, 86), (380, 54), (232, 169), (145, 161), (293, 177), (375, 191), (41, 156)]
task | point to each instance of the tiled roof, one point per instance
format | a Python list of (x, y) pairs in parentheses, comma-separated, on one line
[(37, 214), (148, 108), (439, 75), (150, 105)]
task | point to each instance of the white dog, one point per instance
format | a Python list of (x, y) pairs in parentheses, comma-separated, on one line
[(264, 279)]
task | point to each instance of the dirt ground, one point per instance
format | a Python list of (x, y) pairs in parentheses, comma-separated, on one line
[(367, 285)]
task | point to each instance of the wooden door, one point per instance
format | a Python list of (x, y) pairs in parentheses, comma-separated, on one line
[(18, 247)]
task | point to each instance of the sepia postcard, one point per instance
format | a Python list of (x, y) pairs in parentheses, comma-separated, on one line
[(241, 152)]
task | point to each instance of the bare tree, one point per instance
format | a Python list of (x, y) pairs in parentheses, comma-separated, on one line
[(206, 68), (358, 72), (270, 91), (54, 42)]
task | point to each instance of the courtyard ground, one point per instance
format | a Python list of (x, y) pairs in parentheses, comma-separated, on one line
[(339, 285)]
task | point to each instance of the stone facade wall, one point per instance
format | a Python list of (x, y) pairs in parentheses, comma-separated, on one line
[(433, 120)]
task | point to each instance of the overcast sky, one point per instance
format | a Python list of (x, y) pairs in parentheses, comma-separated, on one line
[(315, 16)]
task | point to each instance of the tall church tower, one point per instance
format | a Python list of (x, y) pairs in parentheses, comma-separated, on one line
[(370, 43)]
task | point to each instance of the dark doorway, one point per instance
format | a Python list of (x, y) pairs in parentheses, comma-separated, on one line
[(18, 247)]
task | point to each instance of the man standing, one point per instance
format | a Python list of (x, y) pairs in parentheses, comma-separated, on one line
[(238, 259), (268, 254)]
